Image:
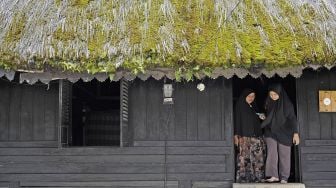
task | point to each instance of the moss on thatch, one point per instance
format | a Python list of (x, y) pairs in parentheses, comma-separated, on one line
[(186, 35)]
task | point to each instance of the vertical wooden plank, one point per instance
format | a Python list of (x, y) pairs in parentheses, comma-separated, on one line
[(171, 122), (180, 111), (38, 113), (15, 112), (4, 109), (26, 113), (50, 112), (154, 97), (58, 111), (138, 105), (227, 129), (333, 115), (302, 115), (203, 113), (192, 92), (227, 126), (165, 119), (301, 97), (325, 118), (223, 111), (215, 110), (63, 133), (313, 114)]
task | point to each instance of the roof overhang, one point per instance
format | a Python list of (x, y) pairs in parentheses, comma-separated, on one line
[(32, 77)]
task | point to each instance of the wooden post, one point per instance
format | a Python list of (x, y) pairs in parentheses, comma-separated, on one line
[(60, 107)]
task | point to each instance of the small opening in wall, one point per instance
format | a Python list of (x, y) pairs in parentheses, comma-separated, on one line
[(95, 113)]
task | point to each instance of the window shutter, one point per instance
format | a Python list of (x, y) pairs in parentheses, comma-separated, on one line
[(66, 114), (124, 85)]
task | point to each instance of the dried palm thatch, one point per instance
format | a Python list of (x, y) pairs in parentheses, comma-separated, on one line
[(185, 35)]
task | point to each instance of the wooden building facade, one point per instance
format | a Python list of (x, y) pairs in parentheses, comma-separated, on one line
[(184, 145), (188, 144), (63, 125), (317, 130)]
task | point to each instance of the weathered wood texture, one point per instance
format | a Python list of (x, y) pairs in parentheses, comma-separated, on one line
[(195, 132), (178, 163), (195, 115), (28, 113), (184, 145), (317, 129)]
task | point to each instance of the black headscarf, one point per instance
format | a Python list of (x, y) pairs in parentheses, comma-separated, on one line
[(246, 120), (277, 110)]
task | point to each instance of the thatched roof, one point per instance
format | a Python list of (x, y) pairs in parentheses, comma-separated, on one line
[(186, 36)]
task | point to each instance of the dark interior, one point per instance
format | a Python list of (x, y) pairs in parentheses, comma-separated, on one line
[(96, 113)]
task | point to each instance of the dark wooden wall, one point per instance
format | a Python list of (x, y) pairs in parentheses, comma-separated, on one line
[(28, 113), (198, 152), (317, 129), (194, 116), (186, 145), (198, 128)]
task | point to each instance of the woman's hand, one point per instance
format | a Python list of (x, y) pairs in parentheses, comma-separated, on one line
[(262, 116), (296, 139), (236, 140)]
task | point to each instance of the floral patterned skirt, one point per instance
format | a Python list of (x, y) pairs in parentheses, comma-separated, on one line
[(251, 159)]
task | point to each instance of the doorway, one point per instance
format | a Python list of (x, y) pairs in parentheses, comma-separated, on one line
[(260, 86), (95, 113)]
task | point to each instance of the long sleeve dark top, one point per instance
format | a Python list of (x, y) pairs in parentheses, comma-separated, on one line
[(284, 133), (247, 124)]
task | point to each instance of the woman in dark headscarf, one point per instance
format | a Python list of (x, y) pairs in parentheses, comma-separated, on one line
[(248, 138), (281, 130)]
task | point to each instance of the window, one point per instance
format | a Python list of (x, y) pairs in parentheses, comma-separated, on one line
[(93, 113)]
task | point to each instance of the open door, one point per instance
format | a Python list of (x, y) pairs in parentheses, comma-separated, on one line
[(260, 85)]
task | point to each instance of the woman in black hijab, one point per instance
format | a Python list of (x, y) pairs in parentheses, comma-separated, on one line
[(248, 138), (281, 131)]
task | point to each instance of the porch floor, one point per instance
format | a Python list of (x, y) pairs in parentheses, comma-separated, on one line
[(268, 185)]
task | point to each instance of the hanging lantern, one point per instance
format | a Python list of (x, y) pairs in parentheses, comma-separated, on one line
[(168, 94)]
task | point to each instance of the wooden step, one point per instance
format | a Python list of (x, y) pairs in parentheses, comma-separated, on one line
[(268, 185), (4, 184), (112, 184)]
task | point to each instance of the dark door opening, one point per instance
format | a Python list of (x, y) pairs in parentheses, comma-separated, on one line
[(95, 113), (260, 86)]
